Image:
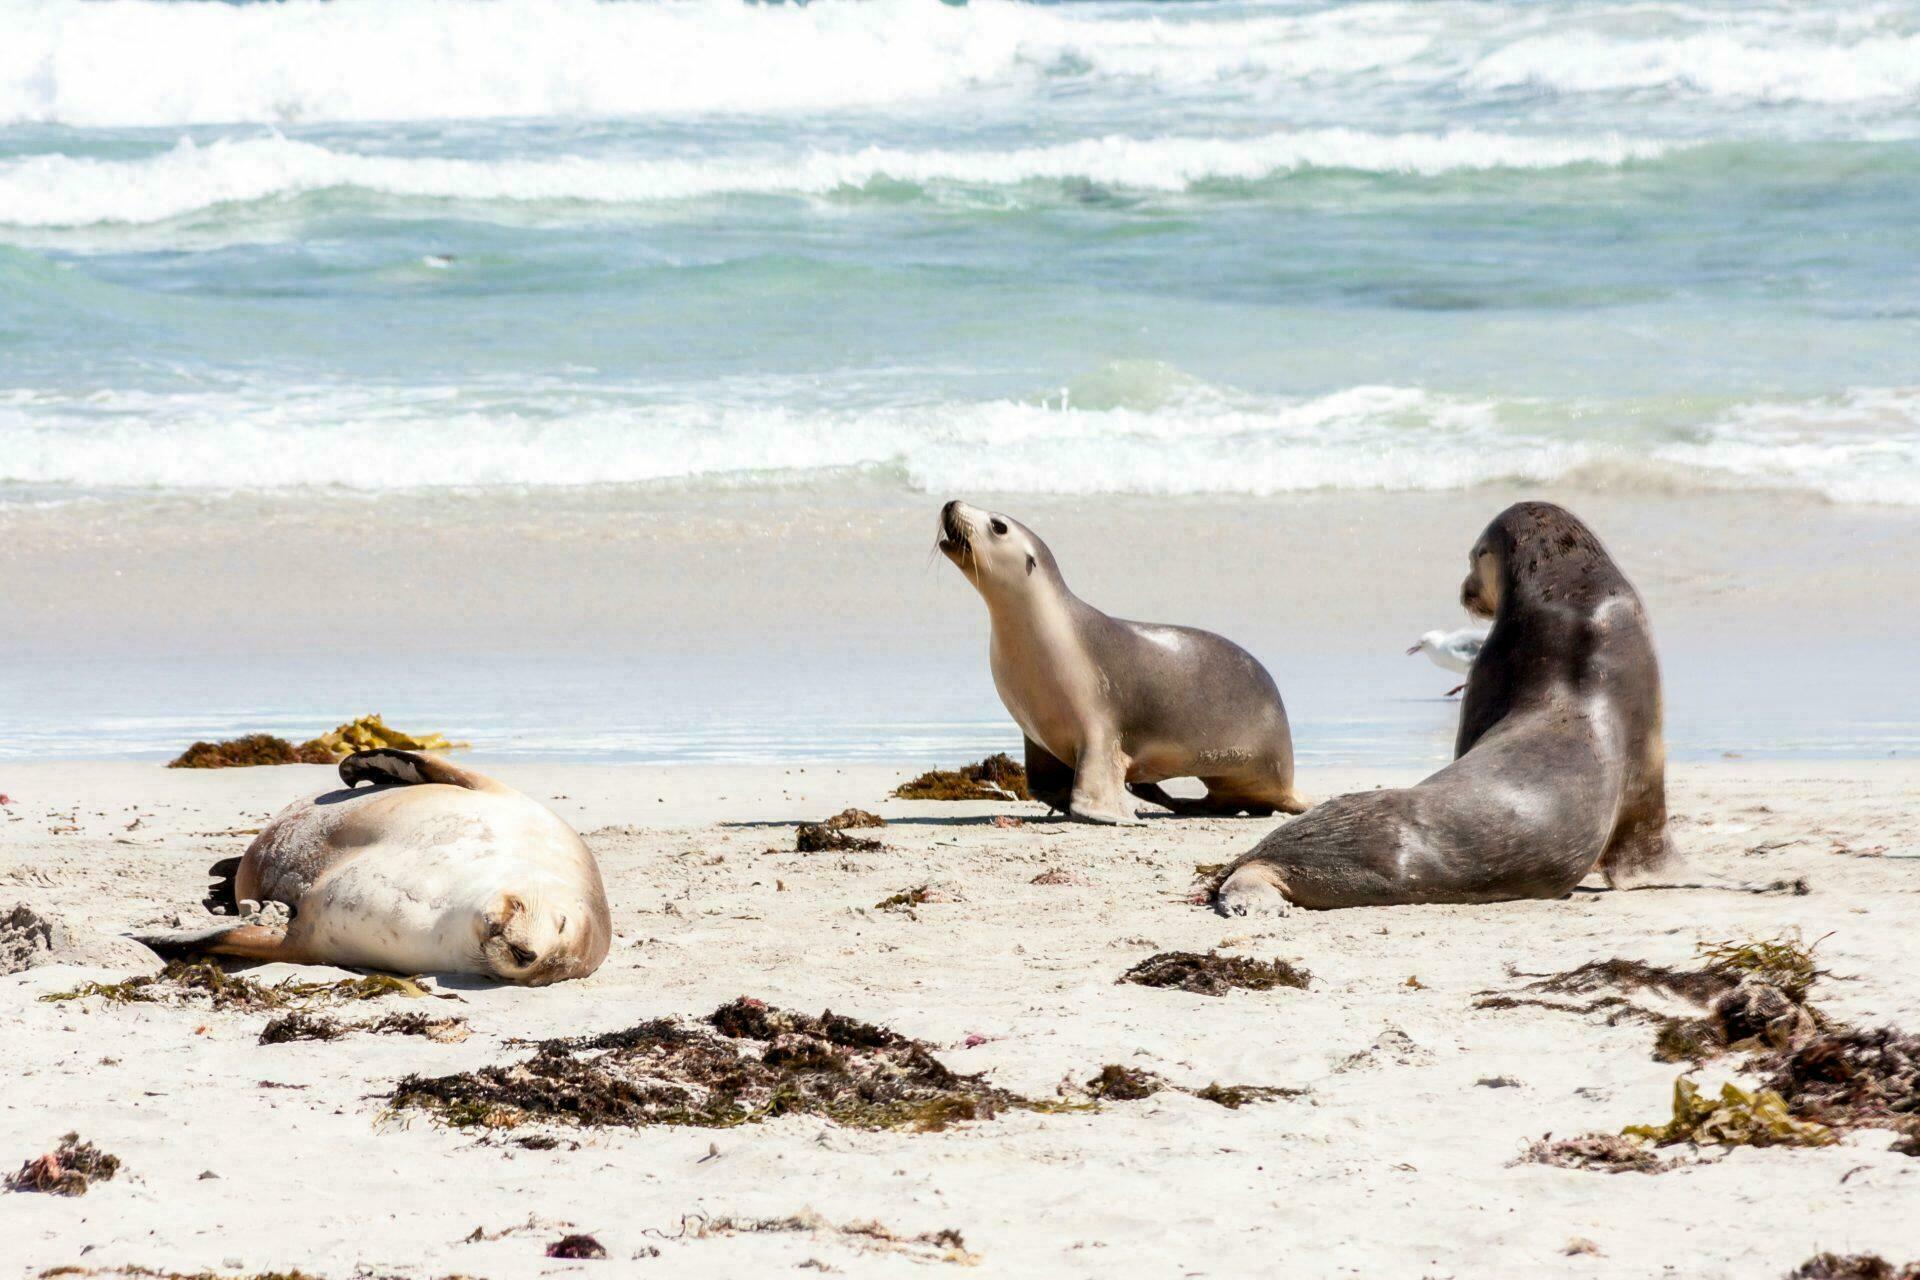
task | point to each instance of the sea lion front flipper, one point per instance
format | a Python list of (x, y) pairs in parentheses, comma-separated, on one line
[(1049, 779), (245, 941), (1100, 792), (389, 765)]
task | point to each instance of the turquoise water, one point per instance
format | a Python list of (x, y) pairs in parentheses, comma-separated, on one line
[(1097, 247), (1244, 246)]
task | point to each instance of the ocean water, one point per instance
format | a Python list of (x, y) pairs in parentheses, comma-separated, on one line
[(1109, 246)]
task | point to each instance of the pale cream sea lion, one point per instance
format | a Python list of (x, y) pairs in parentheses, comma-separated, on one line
[(1109, 706), (432, 869), (1560, 761)]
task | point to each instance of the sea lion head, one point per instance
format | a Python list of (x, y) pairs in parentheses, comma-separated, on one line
[(533, 939), (1000, 556), (1539, 554)]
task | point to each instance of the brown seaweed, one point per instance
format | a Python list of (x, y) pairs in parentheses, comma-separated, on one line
[(1853, 1266), (247, 752), (748, 1063), (998, 777), (1213, 974), (67, 1170)]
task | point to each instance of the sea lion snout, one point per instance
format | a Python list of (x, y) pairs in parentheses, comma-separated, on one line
[(1480, 591), (956, 528)]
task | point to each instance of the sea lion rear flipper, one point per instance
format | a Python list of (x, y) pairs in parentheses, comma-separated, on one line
[(246, 941), (221, 898), (389, 765)]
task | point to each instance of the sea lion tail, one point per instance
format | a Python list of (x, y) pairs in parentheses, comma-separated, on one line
[(247, 941), (387, 766)]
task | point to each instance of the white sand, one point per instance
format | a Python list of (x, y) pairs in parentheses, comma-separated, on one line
[(1395, 1164)]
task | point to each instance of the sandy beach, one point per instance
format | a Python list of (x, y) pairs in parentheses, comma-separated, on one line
[(1396, 1159)]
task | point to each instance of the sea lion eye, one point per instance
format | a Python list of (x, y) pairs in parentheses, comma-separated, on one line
[(998, 526), (562, 926)]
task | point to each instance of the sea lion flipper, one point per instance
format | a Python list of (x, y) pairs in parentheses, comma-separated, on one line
[(246, 941), (1049, 779), (222, 898), (389, 765)]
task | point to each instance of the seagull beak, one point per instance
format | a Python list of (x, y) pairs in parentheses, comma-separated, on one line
[(1412, 649)]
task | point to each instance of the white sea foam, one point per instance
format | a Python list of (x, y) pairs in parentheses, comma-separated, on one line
[(57, 190), (1715, 64), (1163, 434), (176, 62)]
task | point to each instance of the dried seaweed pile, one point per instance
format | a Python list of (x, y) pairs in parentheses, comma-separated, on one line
[(203, 981), (831, 835), (68, 1170), (253, 749), (746, 1063), (1853, 1266), (1820, 1077), (1213, 974), (292, 1027), (247, 752), (997, 777)]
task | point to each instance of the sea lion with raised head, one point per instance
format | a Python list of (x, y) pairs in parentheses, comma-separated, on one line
[(432, 869), (1559, 765), (1109, 706)]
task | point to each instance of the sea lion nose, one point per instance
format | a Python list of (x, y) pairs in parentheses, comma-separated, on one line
[(521, 955)]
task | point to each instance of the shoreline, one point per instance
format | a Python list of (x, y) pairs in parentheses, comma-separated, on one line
[(778, 626)]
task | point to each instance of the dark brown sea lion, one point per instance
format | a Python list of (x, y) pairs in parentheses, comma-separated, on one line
[(1559, 766)]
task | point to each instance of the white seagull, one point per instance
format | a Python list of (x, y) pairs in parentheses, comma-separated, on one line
[(1453, 650)]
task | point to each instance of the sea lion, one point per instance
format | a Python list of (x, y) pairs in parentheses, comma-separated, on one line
[(1559, 763), (1109, 706), (432, 869)]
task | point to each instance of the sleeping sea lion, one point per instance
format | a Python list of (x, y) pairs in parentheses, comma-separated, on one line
[(432, 869)]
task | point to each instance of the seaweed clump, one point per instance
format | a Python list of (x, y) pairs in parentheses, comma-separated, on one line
[(307, 1026), (748, 1063), (1784, 962), (1752, 997), (1820, 1078), (1853, 1266), (1116, 1083), (1213, 974), (301, 1026), (370, 732), (946, 1245), (849, 819), (820, 837), (179, 982), (906, 900), (1124, 1084), (1235, 1096), (1605, 1152), (995, 778), (1737, 1118), (1850, 1078), (247, 752), (577, 1246), (183, 982), (67, 1170)]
